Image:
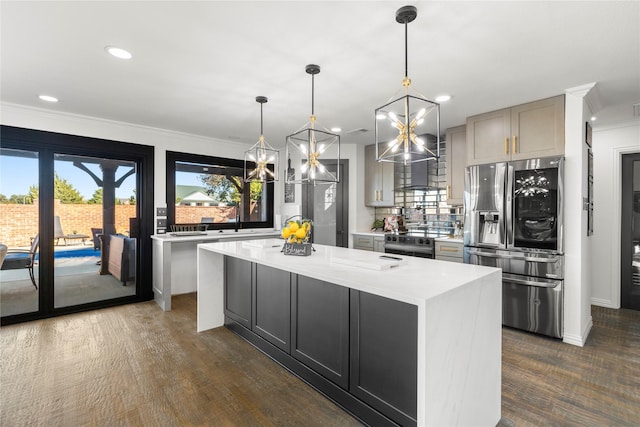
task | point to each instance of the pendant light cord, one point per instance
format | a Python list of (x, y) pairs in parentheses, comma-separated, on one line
[(406, 49), (312, 92), (261, 131)]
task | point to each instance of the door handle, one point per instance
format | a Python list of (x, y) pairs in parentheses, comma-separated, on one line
[(506, 145), (515, 145), (529, 282)]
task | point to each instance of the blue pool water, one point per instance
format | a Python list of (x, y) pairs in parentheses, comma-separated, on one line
[(76, 253)]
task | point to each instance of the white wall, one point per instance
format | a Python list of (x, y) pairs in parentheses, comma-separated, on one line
[(609, 144), (164, 140)]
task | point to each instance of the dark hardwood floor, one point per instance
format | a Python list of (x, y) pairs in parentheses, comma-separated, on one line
[(136, 365)]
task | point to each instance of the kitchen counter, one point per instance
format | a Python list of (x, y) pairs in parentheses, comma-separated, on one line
[(450, 239), (458, 317), (174, 259)]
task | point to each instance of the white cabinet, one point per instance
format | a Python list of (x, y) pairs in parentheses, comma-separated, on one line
[(449, 250), (378, 180), (456, 156), (526, 131), (368, 242)]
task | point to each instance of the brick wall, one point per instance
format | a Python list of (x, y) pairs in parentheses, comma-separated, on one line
[(19, 223)]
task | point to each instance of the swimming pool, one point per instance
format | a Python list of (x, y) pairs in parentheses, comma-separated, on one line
[(76, 253)]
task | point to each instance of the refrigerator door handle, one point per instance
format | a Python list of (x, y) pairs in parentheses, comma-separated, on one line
[(530, 282), (514, 257)]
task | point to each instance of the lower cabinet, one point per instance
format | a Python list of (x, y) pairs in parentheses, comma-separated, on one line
[(357, 348), (384, 355), (320, 327), (237, 290), (272, 306)]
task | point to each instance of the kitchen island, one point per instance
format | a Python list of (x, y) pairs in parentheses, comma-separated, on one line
[(174, 259), (411, 341)]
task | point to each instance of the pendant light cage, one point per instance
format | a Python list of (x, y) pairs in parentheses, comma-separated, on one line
[(407, 128), (261, 161), (314, 153)]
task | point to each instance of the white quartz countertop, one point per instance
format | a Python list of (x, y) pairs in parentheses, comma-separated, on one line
[(414, 281), (217, 235)]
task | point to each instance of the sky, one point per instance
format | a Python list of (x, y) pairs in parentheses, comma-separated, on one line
[(17, 174)]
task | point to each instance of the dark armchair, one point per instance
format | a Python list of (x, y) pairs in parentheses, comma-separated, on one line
[(20, 258), (96, 233)]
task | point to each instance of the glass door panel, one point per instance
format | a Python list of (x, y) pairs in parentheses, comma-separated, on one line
[(630, 233), (19, 232), (94, 220)]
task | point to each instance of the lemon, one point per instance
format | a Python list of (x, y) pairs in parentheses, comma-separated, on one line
[(301, 233), (293, 226), (286, 233)]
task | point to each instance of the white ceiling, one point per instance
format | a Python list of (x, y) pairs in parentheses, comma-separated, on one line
[(198, 66)]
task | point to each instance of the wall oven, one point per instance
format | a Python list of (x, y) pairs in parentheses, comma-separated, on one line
[(514, 221)]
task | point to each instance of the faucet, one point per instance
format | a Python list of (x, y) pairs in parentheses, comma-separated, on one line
[(237, 223)]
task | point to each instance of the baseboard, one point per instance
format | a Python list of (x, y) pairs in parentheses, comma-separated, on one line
[(603, 303), (579, 340)]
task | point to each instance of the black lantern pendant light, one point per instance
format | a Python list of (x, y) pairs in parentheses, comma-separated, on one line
[(315, 151), (408, 127), (258, 157)]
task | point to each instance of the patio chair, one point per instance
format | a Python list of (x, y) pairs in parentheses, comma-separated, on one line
[(96, 233), (59, 234), (22, 258)]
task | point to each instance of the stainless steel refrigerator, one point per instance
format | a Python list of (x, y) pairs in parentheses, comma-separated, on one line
[(514, 221)]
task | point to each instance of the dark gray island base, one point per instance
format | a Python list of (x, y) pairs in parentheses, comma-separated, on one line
[(416, 344), (309, 326)]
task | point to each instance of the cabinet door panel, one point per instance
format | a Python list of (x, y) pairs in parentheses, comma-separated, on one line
[(486, 135), (237, 290), (538, 129), (320, 327), (384, 355), (378, 180), (456, 147), (272, 306)]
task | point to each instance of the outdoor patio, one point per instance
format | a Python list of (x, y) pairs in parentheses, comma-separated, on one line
[(77, 281)]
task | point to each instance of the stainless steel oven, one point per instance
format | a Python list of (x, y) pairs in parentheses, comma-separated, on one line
[(418, 246)]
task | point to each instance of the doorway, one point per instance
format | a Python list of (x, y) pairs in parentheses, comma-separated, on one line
[(327, 205), (630, 233), (74, 205)]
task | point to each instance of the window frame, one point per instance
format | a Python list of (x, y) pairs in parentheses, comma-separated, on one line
[(174, 157)]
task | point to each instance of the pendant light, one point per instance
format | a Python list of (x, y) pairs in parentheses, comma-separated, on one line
[(408, 127), (258, 157), (315, 151)]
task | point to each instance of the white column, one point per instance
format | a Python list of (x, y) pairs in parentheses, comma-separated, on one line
[(577, 282)]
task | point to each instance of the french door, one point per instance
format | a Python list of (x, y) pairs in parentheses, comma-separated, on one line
[(78, 206), (630, 233)]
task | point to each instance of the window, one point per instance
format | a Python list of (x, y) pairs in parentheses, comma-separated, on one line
[(211, 192)]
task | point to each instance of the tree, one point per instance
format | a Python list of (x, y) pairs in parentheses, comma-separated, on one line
[(96, 199), (62, 190), (221, 188), (229, 189)]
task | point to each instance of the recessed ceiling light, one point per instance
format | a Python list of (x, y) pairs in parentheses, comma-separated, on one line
[(48, 98), (336, 129), (443, 98), (118, 53), (593, 118)]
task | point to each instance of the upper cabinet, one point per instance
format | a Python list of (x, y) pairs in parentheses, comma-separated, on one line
[(456, 156), (378, 180), (526, 131)]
